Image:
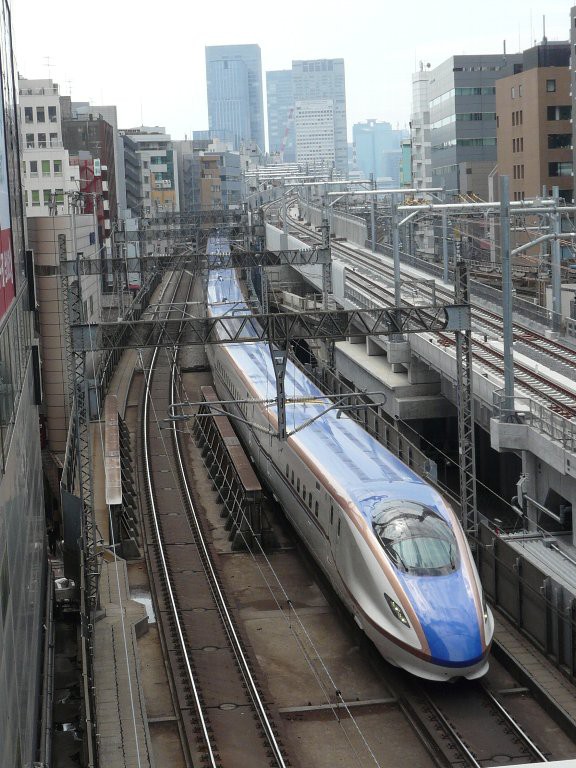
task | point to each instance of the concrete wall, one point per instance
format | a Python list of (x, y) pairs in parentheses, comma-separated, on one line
[(342, 226)]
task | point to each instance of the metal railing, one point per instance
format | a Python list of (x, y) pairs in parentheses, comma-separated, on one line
[(525, 411)]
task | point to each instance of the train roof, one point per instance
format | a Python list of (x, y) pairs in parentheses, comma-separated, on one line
[(343, 451)]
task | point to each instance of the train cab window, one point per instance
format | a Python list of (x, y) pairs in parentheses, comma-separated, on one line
[(316, 508), (416, 538)]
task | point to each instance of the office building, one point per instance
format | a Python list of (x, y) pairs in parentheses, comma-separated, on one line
[(234, 90), (534, 129), (462, 105), (316, 82), (378, 150), (315, 140), (23, 573), (573, 77), (281, 123), (158, 169)]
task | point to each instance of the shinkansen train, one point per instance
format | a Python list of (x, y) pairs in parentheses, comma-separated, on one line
[(390, 545)]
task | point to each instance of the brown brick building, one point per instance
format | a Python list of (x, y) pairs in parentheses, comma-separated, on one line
[(533, 128)]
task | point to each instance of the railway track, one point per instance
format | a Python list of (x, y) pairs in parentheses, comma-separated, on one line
[(466, 726), (224, 717), (539, 385)]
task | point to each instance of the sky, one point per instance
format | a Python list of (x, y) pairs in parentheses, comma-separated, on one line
[(147, 57)]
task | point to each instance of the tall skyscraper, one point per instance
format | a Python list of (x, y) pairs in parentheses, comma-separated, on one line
[(234, 90), (323, 79), (281, 117)]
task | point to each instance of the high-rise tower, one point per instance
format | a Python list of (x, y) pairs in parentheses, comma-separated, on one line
[(234, 90), (321, 81)]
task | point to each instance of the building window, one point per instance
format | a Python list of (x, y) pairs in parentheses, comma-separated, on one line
[(59, 196), (45, 167), (47, 195), (513, 145), (559, 140), (40, 115), (513, 118), (29, 141), (551, 86), (35, 197), (53, 139), (520, 90), (560, 112), (52, 114), (42, 141), (57, 167), (34, 169), (28, 115), (513, 92), (560, 169)]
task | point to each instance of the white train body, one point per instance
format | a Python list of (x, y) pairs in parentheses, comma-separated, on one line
[(389, 544)]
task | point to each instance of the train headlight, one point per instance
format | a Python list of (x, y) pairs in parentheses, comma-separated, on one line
[(396, 610)]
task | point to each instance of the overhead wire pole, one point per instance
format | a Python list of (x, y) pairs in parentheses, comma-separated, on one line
[(327, 277), (465, 404), (556, 278), (373, 215), (508, 336)]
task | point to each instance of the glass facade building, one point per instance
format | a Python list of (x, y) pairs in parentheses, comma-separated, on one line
[(281, 118), (22, 527), (234, 90)]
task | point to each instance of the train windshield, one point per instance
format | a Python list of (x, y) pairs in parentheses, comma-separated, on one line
[(416, 538)]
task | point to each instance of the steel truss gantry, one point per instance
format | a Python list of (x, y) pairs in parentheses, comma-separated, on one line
[(192, 261), (278, 328)]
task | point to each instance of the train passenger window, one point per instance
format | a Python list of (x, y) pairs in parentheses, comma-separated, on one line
[(331, 514), (317, 485), (338, 526), (287, 470), (292, 478), (298, 484), (304, 492), (316, 508), (310, 500)]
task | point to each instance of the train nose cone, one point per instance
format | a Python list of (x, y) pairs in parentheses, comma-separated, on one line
[(451, 643), (447, 612)]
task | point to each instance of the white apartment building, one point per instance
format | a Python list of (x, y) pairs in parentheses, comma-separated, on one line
[(314, 126), (47, 175)]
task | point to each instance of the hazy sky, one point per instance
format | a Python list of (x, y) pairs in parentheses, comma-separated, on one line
[(147, 56)]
